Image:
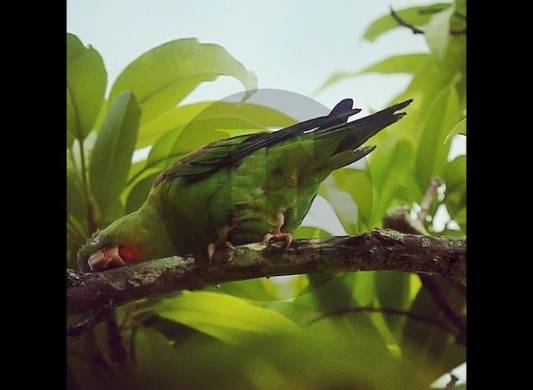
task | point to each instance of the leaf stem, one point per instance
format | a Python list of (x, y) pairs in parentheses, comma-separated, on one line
[(74, 229), (91, 225)]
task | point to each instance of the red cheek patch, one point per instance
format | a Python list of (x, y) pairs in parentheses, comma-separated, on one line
[(129, 254)]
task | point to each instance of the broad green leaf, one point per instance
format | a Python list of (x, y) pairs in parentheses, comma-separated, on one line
[(343, 204), (218, 114), (113, 149), (437, 32), (455, 179), (417, 16), (114, 212), (391, 167), (86, 82), (432, 153), (459, 128), (364, 291), (358, 183), (272, 363), (76, 204), (357, 326), (426, 344), (460, 6), (393, 293), (161, 151), (164, 76), (70, 138), (404, 63), (227, 318), (154, 356), (309, 232), (259, 290), (139, 193)]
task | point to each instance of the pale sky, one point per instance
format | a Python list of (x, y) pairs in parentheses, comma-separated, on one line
[(291, 45)]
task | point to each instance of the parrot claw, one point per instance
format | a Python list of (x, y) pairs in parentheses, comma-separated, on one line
[(220, 243), (275, 237)]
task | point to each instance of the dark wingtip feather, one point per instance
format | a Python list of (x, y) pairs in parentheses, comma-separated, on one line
[(402, 105), (342, 106), (368, 149)]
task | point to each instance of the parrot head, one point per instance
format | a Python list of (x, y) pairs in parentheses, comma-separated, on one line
[(130, 239)]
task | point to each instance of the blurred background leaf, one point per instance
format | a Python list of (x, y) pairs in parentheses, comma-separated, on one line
[(113, 150), (162, 77), (418, 16), (86, 82)]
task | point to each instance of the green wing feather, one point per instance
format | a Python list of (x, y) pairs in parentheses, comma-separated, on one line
[(341, 140)]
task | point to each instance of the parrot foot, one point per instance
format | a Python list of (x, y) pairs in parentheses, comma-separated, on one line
[(221, 243), (275, 237)]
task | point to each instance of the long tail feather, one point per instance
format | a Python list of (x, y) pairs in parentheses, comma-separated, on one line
[(359, 131)]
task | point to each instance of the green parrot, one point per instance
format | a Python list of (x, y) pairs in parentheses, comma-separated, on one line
[(249, 188)]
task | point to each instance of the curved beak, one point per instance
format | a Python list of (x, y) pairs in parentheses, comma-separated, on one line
[(105, 259)]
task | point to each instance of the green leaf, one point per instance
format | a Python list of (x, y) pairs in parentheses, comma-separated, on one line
[(114, 212), (404, 63), (391, 167), (86, 82), (113, 150), (459, 128), (309, 232), (393, 293), (139, 193), (164, 76), (417, 16), (227, 318), (437, 32), (455, 179), (357, 183), (460, 6), (154, 356), (429, 346), (432, 153), (76, 204), (221, 115), (343, 205)]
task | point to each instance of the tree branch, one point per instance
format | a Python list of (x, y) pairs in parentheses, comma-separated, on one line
[(379, 250)]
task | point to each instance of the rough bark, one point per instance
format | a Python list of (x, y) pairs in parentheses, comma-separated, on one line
[(379, 250)]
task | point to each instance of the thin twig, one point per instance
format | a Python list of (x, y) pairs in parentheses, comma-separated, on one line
[(415, 30), (442, 303), (401, 22), (429, 196), (406, 313)]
